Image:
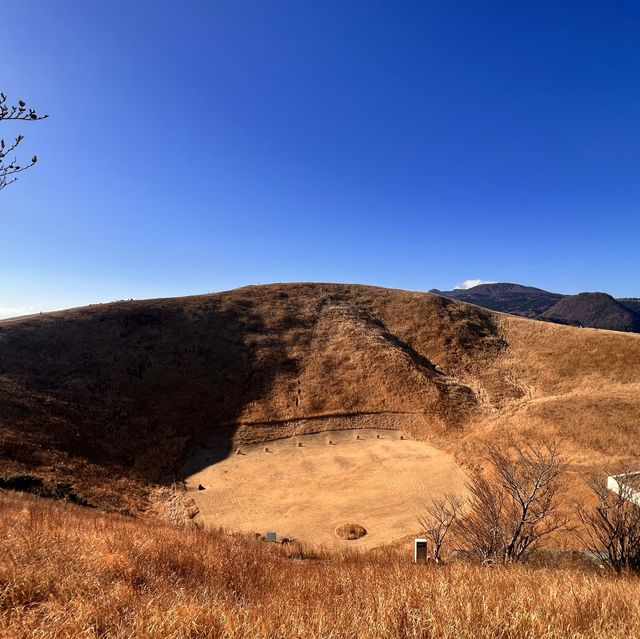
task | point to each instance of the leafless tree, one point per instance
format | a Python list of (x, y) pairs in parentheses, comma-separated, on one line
[(9, 165), (516, 505), (440, 515), (480, 530), (611, 529)]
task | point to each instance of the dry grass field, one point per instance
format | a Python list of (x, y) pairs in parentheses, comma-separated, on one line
[(68, 572), (305, 487)]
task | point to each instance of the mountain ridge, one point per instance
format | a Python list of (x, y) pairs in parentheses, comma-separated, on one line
[(591, 309)]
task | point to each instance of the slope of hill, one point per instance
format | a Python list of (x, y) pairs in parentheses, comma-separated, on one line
[(112, 398), (632, 303), (594, 310), (597, 310)]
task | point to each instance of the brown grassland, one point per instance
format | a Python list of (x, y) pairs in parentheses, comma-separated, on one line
[(72, 572)]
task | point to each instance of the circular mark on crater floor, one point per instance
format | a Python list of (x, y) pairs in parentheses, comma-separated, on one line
[(350, 531)]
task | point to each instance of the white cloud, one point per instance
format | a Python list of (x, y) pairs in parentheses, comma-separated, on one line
[(471, 283), (8, 311)]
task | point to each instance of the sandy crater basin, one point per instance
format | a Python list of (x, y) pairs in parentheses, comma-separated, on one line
[(304, 491)]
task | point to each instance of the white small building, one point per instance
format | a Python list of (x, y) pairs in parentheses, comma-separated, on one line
[(627, 485), (420, 551)]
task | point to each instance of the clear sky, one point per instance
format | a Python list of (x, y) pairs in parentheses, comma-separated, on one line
[(202, 145)]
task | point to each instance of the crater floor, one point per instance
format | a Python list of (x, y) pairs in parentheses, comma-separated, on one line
[(379, 481)]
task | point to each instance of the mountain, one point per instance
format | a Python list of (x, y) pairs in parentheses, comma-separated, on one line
[(526, 301), (632, 303), (106, 402), (594, 310), (597, 310)]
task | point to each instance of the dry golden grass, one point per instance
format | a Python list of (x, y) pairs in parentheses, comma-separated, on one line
[(70, 572)]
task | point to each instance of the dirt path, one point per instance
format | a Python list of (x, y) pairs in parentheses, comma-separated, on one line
[(378, 481)]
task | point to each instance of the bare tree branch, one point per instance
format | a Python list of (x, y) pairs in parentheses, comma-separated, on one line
[(514, 508), (440, 515), (611, 530), (9, 165)]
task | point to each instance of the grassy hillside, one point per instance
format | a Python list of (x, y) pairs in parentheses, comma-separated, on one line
[(111, 398), (125, 577)]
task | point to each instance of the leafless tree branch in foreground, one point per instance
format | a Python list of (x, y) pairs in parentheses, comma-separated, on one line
[(516, 505), (611, 529), (440, 515), (9, 165)]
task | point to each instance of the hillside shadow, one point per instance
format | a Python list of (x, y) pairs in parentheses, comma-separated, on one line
[(140, 386)]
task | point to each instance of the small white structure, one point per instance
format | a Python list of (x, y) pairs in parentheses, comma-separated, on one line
[(627, 485), (420, 551)]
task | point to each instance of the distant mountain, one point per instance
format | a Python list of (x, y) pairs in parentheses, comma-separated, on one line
[(594, 310), (597, 310), (631, 302), (527, 301)]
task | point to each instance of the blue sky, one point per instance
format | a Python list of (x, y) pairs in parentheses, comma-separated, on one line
[(199, 146)]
